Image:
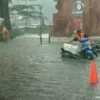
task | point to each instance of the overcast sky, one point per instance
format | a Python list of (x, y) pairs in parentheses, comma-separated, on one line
[(48, 7)]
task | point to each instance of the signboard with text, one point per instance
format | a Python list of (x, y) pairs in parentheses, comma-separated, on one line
[(78, 9)]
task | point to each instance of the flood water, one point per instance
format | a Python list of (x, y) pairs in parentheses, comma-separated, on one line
[(30, 71)]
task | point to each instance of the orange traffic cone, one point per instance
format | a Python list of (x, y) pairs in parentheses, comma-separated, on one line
[(93, 73)]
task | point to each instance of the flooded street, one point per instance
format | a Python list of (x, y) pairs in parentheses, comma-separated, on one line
[(30, 71)]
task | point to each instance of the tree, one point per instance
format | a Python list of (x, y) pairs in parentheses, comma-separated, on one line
[(32, 11), (4, 12), (24, 10), (28, 11)]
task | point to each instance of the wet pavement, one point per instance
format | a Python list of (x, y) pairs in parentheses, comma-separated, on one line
[(30, 71)]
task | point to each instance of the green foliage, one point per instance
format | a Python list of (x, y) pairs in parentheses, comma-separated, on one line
[(21, 7), (29, 11)]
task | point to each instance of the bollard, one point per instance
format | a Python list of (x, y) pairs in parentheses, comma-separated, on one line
[(49, 39), (41, 39)]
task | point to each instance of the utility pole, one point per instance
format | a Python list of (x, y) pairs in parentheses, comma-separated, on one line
[(40, 7), (26, 17)]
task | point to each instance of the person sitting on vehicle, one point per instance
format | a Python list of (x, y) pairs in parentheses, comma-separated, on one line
[(80, 36)]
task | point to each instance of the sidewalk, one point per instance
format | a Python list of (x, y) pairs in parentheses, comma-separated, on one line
[(55, 39), (45, 36), (35, 35)]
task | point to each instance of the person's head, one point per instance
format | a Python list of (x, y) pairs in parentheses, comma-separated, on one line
[(78, 32)]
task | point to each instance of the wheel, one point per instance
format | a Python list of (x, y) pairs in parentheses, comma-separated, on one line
[(90, 57), (63, 55), (76, 57), (69, 55)]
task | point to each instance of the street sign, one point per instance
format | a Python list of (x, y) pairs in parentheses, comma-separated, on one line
[(78, 9)]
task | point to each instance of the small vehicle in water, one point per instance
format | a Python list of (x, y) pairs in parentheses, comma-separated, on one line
[(75, 51)]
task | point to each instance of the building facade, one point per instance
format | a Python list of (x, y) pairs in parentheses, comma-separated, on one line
[(75, 14)]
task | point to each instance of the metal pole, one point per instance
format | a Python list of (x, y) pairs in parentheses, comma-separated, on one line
[(49, 39), (26, 17), (40, 24)]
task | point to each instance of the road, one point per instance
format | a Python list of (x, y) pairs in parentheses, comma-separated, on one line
[(30, 71)]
